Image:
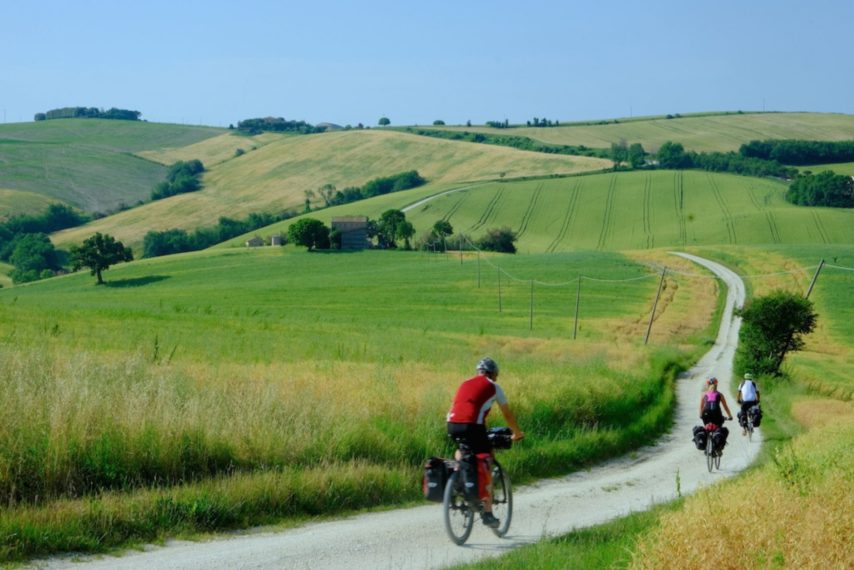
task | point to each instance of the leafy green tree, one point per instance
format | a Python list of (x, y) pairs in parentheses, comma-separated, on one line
[(438, 122), (327, 193), (498, 239), (98, 253), (310, 233), (34, 257), (441, 231), (619, 152), (636, 155), (384, 122), (773, 326), (672, 155), (392, 226)]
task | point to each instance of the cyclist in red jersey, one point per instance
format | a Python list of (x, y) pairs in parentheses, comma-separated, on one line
[(467, 421)]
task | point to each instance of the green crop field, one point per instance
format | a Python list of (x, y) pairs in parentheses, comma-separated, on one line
[(88, 163), (618, 211), (275, 176), (14, 202), (706, 132), (838, 168)]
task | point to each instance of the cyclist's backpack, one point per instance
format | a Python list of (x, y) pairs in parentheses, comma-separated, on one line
[(700, 437), (436, 473)]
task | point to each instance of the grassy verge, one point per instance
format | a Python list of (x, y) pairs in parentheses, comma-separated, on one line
[(603, 546)]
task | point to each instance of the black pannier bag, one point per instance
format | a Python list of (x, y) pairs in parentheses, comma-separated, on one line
[(468, 471), (436, 473), (757, 414), (500, 437), (720, 436), (700, 437)]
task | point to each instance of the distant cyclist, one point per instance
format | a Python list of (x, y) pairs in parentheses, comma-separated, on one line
[(712, 405), (748, 396), (467, 423)]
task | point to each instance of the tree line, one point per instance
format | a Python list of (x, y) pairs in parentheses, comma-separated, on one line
[(823, 189), (277, 125), (800, 152), (331, 196), (182, 177), (513, 141), (25, 245), (168, 242), (88, 113)]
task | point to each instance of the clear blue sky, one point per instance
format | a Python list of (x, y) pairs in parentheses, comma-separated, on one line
[(214, 62)]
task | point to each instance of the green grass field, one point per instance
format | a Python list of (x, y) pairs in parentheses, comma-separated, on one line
[(310, 363), (846, 168), (702, 132), (87, 163)]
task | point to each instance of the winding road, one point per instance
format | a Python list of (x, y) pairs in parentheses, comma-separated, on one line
[(415, 537)]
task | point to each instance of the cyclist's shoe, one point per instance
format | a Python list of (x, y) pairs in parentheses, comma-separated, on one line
[(490, 520)]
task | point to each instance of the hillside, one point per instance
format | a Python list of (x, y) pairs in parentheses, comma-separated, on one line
[(616, 212), (87, 163), (706, 132), (275, 176)]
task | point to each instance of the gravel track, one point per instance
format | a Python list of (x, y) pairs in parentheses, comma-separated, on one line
[(415, 537)]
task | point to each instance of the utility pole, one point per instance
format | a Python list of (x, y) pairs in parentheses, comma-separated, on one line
[(814, 278), (654, 306)]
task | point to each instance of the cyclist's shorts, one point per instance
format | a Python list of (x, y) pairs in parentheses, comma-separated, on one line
[(474, 435)]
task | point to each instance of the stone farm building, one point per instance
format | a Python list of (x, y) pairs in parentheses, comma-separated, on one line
[(354, 231)]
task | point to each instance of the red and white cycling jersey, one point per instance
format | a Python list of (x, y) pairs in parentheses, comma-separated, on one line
[(474, 400)]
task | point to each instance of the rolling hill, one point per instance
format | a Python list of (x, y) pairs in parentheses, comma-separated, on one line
[(87, 163), (700, 132), (275, 176)]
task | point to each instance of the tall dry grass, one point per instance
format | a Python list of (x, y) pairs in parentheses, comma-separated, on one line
[(795, 512)]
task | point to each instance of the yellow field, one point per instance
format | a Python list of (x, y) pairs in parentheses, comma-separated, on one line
[(210, 151), (699, 133), (275, 176), (14, 202)]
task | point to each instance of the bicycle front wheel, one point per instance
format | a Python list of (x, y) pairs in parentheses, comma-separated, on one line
[(459, 518), (710, 453), (502, 498), (718, 454)]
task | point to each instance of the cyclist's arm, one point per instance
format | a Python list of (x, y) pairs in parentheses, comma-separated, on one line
[(511, 421)]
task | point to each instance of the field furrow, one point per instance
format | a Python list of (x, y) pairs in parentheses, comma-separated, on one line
[(532, 205), (567, 217), (608, 217), (728, 219)]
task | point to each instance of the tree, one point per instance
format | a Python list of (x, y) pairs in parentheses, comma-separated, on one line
[(637, 156), (672, 155), (327, 192), (34, 257), (771, 327), (392, 226), (438, 122), (498, 239), (619, 152), (310, 233), (384, 122), (98, 253), (442, 229)]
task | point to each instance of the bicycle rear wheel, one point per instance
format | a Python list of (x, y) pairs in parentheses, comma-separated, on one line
[(710, 452), (459, 517), (502, 498)]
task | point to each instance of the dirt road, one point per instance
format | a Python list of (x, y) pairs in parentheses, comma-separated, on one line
[(415, 538)]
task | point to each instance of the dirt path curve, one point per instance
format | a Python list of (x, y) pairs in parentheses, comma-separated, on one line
[(415, 538)]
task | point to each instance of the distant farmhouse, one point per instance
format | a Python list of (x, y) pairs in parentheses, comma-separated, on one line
[(255, 242), (354, 231)]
